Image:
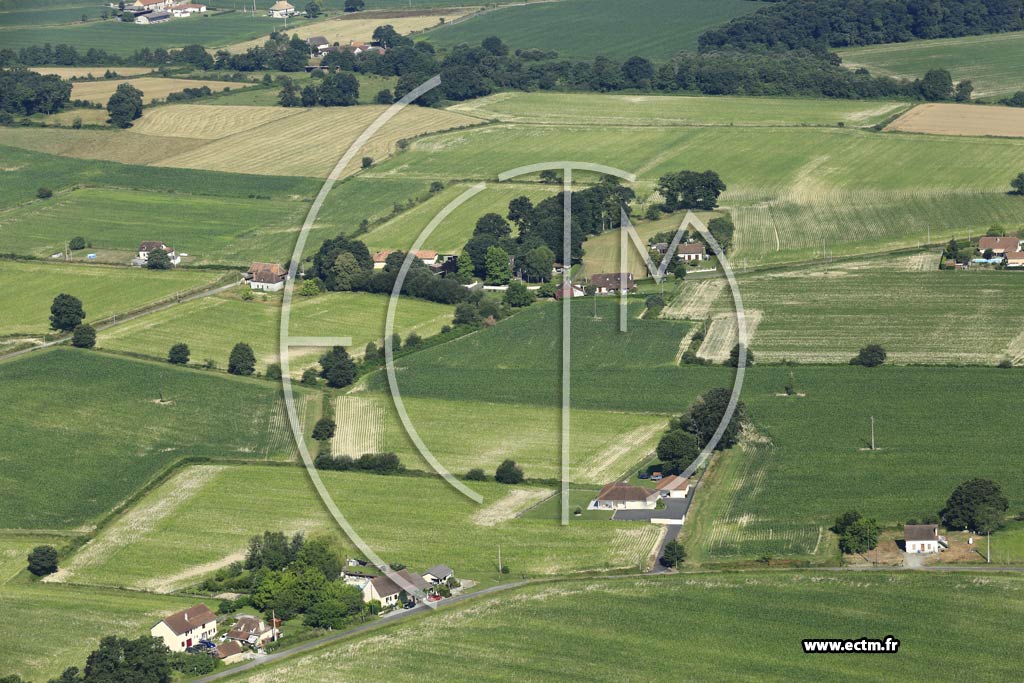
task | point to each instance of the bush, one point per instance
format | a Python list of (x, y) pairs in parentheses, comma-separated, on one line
[(76, 243), (309, 376), (310, 287), (870, 356), (273, 371), (84, 336), (508, 473), (367, 162), (179, 354), (476, 474), (324, 429), (44, 193), (42, 561), (673, 554)]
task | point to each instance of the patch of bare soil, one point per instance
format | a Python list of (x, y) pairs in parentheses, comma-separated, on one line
[(509, 506), (961, 119)]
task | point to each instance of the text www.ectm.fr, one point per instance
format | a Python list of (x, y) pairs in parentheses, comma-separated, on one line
[(889, 644)]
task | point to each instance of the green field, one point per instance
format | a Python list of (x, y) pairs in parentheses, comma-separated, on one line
[(31, 286), (665, 110), (213, 325), (745, 627), (656, 29), (808, 461), (418, 521), (91, 430), (211, 30), (925, 317), (990, 62)]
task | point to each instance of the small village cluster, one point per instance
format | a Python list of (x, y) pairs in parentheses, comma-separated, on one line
[(147, 12), (195, 629), (998, 250)]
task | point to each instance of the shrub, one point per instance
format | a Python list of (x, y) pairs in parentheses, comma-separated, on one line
[(324, 429), (870, 356), (179, 354), (76, 243), (84, 336), (42, 561), (508, 473), (476, 474), (44, 193), (273, 371), (673, 554), (367, 162), (309, 376)]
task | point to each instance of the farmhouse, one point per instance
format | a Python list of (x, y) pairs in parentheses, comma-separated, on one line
[(922, 538), (693, 251), (251, 631), (606, 283), (673, 486), (266, 277), (281, 9), (153, 18), (1014, 259), (318, 44), (387, 591), (186, 628), (621, 496), (187, 9), (439, 574), (999, 245), (148, 246), (151, 4), (359, 48), (427, 256)]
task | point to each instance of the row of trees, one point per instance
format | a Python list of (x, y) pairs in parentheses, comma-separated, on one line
[(334, 90), (67, 55), (687, 434)]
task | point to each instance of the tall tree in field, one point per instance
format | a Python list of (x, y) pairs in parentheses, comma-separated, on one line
[(870, 356), (674, 554), (158, 260), (338, 368), (178, 355), (338, 90), (677, 449), (937, 85), (978, 504), (125, 105), (242, 360), (66, 313), (42, 561), (860, 536), (1018, 184), (499, 272), (704, 417), (508, 472), (691, 190)]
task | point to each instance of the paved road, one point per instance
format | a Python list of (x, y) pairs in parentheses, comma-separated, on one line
[(126, 318), (347, 633)]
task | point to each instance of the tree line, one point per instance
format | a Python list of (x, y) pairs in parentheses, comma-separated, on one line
[(27, 92)]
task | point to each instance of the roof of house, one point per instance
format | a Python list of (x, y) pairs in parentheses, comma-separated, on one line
[(270, 273), (188, 5), (147, 3), (188, 619), (625, 492), (690, 248), (156, 16), (423, 254), (611, 280), (440, 571), (672, 483), (281, 4), (1003, 242), (921, 532), (385, 586), (229, 648), (1015, 255), (150, 246), (318, 40), (246, 626)]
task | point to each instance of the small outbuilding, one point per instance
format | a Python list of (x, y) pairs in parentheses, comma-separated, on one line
[(673, 486)]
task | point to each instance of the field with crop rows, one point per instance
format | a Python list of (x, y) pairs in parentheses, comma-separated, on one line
[(825, 314), (213, 325), (656, 29), (990, 62), (212, 30), (152, 88), (425, 521), (746, 626), (209, 229), (664, 110), (29, 288), (108, 432)]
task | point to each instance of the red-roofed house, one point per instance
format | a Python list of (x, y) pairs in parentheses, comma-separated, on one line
[(380, 259), (999, 245), (621, 496), (1014, 259)]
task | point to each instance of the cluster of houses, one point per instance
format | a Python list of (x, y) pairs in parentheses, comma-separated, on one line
[(146, 247), (391, 593), (320, 46), (1003, 249), (159, 11), (438, 263)]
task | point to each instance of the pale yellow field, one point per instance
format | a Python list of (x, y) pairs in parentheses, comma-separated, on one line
[(152, 88), (961, 119), (207, 122), (96, 117), (311, 142), (359, 28), (124, 146), (97, 71)]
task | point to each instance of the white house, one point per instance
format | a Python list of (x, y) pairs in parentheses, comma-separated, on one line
[(427, 256), (186, 628), (266, 277), (922, 538), (621, 496), (281, 9), (252, 631), (187, 9), (606, 283), (148, 246), (692, 251), (386, 591), (673, 486), (318, 44), (151, 4), (438, 574)]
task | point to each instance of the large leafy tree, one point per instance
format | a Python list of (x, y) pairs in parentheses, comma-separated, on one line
[(677, 449), (242, 360), (158, 260), (117, 660), (860, 536), (42, 561), (338, 368), (691, 190), (978, 504), (499, 272), (125, 105), (707, 414), (66, 313)]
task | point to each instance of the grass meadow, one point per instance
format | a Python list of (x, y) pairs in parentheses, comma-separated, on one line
[(656, 29), (91, 430), (419, 521), (31, 286), (746, 626), (989, 61), (211, 326)]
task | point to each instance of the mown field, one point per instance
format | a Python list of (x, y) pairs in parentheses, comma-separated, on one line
[(91, 430), (746, 627), (808, 459), (656, 29), (152, 88), (662, 110), (825, 315), (31, 286), (212, 30), (213, 325), (990, 61), (603, 445), (155, 546), (209, 229)]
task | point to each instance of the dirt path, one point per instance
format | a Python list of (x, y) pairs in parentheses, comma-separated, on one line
[(506, 508)]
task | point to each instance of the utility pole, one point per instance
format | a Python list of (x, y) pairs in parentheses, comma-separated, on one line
[(872, 432), (499, 561), (988, 552)]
